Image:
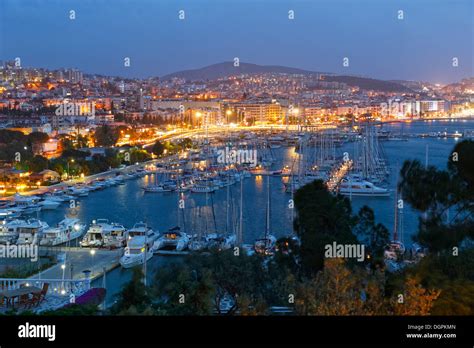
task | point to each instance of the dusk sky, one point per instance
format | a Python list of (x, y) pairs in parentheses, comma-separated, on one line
[(419, 47)]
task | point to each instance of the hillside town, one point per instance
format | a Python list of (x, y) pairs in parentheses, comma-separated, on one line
[(54, 111)]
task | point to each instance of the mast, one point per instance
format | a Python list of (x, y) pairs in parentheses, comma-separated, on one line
[(227, 205), (178, 196), (395, 222), (267, 224), (240, 237), (144, 256)]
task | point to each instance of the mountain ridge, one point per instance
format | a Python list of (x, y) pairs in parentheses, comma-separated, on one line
[(224, 69)]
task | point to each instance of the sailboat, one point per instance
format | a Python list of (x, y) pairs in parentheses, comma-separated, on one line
[(266, 245), (174, 239), (395, 249), (370, 169), (223, 241), (159, 188)]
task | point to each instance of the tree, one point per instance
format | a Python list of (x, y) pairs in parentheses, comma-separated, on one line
[(82, 141), (457, 298), (139, 155), (37, 164), (322, 219), (453, 275), (106, 136), (414, 299), (158, 148), (186, 143), (185, 290), (339, 290), (374, 236), (38, 137), (236, 278), (442, 193), (134, 296)]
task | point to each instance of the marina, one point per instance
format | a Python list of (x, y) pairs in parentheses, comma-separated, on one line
[(103, 220)]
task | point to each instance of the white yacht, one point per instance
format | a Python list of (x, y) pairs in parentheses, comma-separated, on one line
[(96, 185), (66, 231), (79, 191), (173, 239), (102, 233), (203, 189), (142, 229), (49, 204), (158, 188), (54, 196), (117, 238), (139, 250), (30, 231), (353, 187), (28, 204), (9, 231), (9, 213)]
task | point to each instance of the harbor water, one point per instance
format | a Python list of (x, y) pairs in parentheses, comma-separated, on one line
[(128, 204)]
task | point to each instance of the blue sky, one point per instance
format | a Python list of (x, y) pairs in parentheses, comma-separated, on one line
[(419, 47)]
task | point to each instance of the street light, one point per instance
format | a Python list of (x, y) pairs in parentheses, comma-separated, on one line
[(68, 171), (228, 113), (92, 252)]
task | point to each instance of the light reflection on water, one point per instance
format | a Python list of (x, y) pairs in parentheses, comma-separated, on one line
[(128, 203)]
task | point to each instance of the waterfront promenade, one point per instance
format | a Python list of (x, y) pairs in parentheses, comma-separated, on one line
[(78, 260)]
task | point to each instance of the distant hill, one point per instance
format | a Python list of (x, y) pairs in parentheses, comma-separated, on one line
[(369, 84), (224, 69)]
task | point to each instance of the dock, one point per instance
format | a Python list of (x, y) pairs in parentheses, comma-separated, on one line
[(79, 260), (171, 252)]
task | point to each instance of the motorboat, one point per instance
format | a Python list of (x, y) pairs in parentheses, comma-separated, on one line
[(173, 239), (139, 250), (356, 187), (117, 238), (28, 204), (158, 188), (80, 192), (67, 230), (142, 229), (9, 213), (9, 231), (30, 231), (203, 189), (102, 233), (49, 204)]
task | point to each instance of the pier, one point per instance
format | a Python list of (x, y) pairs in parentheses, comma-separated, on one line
[(79, 260)]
